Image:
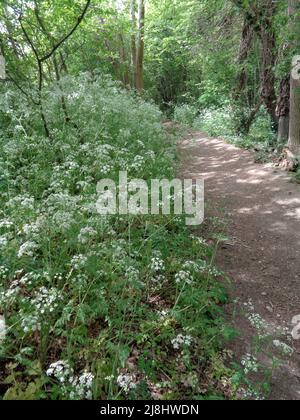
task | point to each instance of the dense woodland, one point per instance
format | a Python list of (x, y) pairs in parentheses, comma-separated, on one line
[(127, 307)]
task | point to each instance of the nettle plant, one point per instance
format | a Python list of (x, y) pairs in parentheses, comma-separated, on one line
[(92, 306)]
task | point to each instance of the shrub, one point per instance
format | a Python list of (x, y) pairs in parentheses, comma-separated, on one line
[(185, 114)]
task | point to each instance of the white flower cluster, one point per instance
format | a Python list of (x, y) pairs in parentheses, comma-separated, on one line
[(184, 277), (9, 296), (63, 220), (119, 249), (33, 229), (106, 169), (132, 274), (3, 272), (126, 382), (61, 371), (250, 364), (252, 394), (138, 163), (82, 387), (27, 249), (286, 349), (6, 224), (46, 300), (2, 328), (3, 241), (30, 323), (78, 387), (257, 321), (86, 235), (181, 341), (78, 261), (157, 265), (24, 201)]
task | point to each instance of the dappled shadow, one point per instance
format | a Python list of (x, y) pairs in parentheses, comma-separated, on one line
[(263, 207)]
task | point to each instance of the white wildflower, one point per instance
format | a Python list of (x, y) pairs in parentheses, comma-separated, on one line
[(63, 220), (3, 272), (250, 364), (78, 261), (126, 382), (27, 249), (46, 300), (257, 321), (5, 224), (61, 371), (157, 265), (24, 201), (158, 278), (181, 341), (82, 387), (184, 277), (2, 328), (3, 241), (86, 234), (30, 323), (287, 350)]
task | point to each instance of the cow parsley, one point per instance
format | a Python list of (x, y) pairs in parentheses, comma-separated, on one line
[(184, 277), (181, 341), (27, 249)]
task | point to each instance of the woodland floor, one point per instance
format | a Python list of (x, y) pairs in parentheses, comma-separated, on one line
[(260, 210)]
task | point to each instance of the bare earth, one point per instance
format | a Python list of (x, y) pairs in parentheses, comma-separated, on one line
[(262, 258)]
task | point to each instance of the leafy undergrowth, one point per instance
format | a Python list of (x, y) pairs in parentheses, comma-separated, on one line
[(222, 122), (96, 307)]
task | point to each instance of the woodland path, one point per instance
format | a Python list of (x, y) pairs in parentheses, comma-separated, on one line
[(261, 208)]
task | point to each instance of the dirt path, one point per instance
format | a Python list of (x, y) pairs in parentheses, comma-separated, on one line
[(262, 258)]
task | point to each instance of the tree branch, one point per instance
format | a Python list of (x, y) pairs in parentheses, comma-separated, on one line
[(63, 40)]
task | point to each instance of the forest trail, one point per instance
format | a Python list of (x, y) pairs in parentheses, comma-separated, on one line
[(261, 208)]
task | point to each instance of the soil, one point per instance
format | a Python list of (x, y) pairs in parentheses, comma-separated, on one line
[(261, 208)]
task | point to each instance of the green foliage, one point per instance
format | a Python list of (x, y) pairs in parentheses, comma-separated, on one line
[(88, 313), (185, 114), (222, 122)]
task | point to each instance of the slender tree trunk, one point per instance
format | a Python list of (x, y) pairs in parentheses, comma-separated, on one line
[(141, 47), (294, 135), (245, 48), (124, 62), (268, 39), (2, 68), (283, 110), (133, 42)]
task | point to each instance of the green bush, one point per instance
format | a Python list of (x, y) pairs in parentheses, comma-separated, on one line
[(185, 114)]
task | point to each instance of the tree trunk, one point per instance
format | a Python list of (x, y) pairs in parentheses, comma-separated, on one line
[(245, 48), (294, 135), (2, 68), (283, 110), (124, 62), (268, 39), (141, 47), (133, 42)]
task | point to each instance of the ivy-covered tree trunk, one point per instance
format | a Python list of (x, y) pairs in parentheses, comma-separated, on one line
[(247, 109), (294, 135), (245, 48), (283, 110), (269, 54)]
